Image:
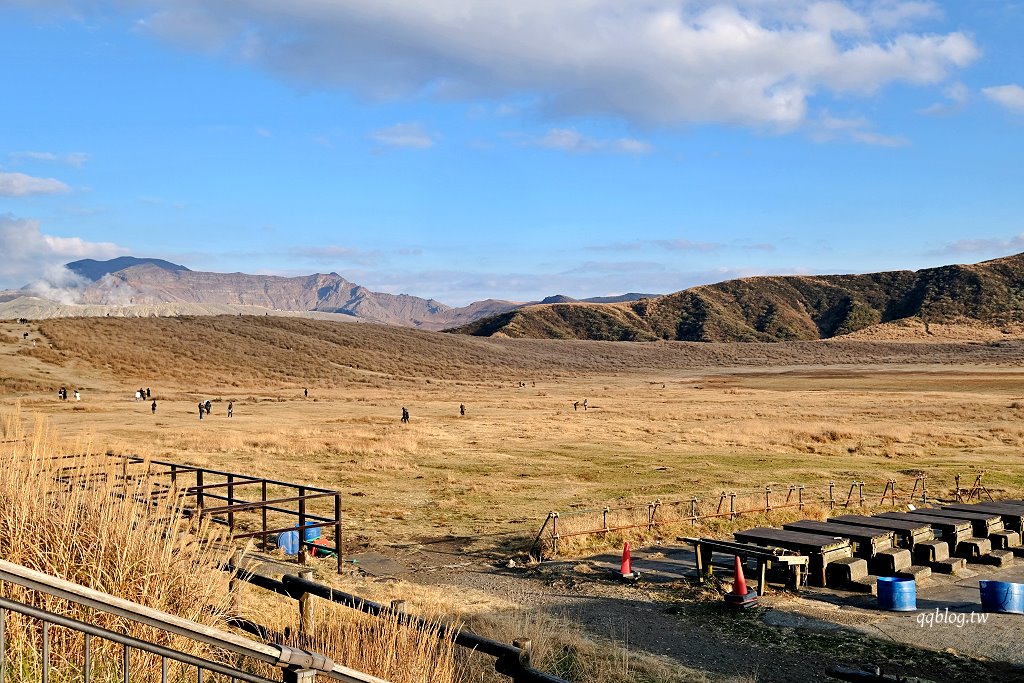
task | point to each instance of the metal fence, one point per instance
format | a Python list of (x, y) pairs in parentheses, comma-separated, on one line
[(513, 660), (558, 526), (294, 665)]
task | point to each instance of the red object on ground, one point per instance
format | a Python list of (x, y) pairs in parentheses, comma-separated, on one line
[(627, 563), (739, 584)]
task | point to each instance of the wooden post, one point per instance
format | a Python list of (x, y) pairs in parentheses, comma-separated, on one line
[(861, 489), (306, 606), (767, 499), (263, 498), (693, 511), (604, 518), (800, 497), (199, 490), (732, 505), (554, 533), (924, 488), (762, 570)]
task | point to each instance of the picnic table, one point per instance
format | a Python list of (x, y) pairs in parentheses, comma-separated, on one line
[(704, 548), (820, 550)]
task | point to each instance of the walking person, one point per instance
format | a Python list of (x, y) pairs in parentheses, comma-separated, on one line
[(405, 415), (462, 409), (305, 393), (78, 396), (208, 407), (575, 406), (585, 404), (231, 408), (154, 408), (200, 410)]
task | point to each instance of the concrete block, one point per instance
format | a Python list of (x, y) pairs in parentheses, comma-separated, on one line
[(866, 584), (1017, 550), (1004, 540), (917, 572), (949, 566), (973, 548), (996, 558), (841, 572), (888, 562), (927, 552)]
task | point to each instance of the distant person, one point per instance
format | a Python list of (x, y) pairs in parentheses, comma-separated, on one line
[(585, 404), (148, 395), (78, 396), (208, 406), (200, 410), (462, 409), (231, 409), (138, 395), (405, 415), (154, 409), (575, 406), (305, 393)]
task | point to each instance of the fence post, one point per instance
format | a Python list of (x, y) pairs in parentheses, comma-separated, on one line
[(767, 499), (860, 488), (831, 498), (526, 647), (732, 505), (263, 509), (800, 497), (554, 533), (302, 525), (924, 488), (338, 538), (306, 606), (956, 494), (693, 511), (199, 490), (233, 585), (604, 518), (231, 502)]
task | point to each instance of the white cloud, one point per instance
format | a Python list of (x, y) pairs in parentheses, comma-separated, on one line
[(957, 95), (983, 245), (32, 256), (571, 140), (1010, 97), (404, 135), (747, 62), (76, 159), (21, 185), (827, 128)]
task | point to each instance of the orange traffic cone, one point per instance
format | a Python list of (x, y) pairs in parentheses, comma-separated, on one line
[(740, 596), (627, 564)]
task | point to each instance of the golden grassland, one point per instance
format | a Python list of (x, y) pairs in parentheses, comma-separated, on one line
[(664, 421)]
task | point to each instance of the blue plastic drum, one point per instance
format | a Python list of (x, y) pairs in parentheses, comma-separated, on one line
[(288, 541), (897, 594), (311, 534), (1002, 597)]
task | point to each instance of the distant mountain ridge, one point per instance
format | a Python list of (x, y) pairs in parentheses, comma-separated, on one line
[(130, 286), (781, 308)]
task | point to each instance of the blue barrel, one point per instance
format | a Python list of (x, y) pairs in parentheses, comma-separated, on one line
[(896, 594), (1002, 597), (288, 541), (311, 534)]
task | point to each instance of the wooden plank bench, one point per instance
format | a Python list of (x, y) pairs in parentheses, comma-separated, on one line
[(820, 550), (984, 523), (1011, 513), (905, 533), (704, 548), (948, 529), (866, 541)]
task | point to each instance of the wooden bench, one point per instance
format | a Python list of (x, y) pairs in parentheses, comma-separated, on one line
[(795, 564), (906, 533), (1011, 513), (866, 541), (984, 523)]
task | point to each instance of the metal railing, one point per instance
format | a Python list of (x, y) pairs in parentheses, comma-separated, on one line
[(295, 665), (730, 505), (278, 507), (513, 660)]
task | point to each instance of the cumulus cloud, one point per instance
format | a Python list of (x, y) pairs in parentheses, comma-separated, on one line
[(22, 185), (1010, 97), (412, 135), (746, 62), (33, 256)]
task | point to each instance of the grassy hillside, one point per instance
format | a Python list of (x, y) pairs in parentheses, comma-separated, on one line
[(784, 308)]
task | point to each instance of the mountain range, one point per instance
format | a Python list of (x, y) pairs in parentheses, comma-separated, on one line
[(781, 308), (130, 286)]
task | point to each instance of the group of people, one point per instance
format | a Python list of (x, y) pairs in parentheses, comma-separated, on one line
[(206, 407), (576, 405), (143, 394), (62, 394)]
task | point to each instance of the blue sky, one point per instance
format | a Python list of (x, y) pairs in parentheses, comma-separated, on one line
[(470, 149)]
